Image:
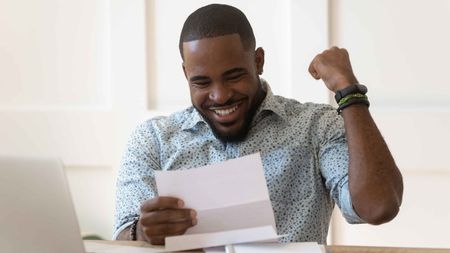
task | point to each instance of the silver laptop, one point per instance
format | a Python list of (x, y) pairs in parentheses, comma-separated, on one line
[(36, 210)]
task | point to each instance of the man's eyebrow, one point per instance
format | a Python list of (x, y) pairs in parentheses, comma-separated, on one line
[(198, 78), (234, 70)]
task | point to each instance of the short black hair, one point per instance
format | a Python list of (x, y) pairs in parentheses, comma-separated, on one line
[(217, 20)]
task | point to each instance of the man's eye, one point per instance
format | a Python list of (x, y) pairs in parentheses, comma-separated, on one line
[(235, 77), (201, 84)]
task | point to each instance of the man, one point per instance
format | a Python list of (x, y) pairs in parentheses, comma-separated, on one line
[(312, 156)]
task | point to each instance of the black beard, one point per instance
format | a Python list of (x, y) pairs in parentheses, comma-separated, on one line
[(242, 133)]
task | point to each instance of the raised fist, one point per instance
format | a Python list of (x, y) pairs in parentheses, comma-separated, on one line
[(334, 68)]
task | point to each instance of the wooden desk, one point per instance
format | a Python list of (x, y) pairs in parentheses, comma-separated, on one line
[(328, 249)]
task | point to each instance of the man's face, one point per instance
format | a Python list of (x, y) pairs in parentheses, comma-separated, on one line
[(224, 83)]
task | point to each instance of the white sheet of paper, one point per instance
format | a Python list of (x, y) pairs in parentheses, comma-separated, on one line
[(195, 241), (230, 195), (299, 247)]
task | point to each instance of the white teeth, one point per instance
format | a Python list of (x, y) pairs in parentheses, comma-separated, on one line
[(226, 111)]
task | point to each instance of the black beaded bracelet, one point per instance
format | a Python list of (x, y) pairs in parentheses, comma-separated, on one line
[(353, 101), (133, 229)]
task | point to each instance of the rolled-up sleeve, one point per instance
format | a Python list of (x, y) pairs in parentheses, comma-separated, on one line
[(334, 160), (135, 179)]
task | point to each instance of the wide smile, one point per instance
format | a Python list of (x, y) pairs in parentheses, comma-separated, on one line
[(226, 114), (223, 112)]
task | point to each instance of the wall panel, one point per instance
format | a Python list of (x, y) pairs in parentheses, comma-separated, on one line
[(54, 54)]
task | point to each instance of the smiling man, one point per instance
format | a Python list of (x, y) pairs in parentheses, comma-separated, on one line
[(312, 156), (223, 81)]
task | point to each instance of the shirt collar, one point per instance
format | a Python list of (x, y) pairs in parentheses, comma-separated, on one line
[(192, 119), (268, 104)]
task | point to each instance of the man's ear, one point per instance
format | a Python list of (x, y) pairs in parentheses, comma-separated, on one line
[(184, 70), (259, 60)]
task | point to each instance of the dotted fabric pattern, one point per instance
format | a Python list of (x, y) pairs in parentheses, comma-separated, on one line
[(303, 149)]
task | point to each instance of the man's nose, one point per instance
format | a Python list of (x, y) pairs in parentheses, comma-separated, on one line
[(220, 93)]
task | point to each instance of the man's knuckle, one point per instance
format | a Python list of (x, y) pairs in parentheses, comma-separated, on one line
[(148, 218), (144, 207), (158, 201), (320, 60), (148, 205), (143, 220), (164, 202)]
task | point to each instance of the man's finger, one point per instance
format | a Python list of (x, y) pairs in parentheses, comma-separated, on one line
[(158, 203), (167, 216), (160, 240), (157, 240), (313, 71), (167, 229)]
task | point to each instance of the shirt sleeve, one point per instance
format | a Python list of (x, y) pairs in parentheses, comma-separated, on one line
[(135, 179), (334, 160)]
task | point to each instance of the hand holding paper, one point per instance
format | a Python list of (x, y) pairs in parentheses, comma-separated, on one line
[(228, 196), (162, 217)]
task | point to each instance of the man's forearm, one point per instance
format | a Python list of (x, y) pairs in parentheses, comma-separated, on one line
[(375, 183)]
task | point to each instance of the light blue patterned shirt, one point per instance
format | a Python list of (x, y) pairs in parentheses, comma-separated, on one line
[(303, 149)]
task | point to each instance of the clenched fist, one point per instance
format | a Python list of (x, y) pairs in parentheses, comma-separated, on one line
[(334, 68)]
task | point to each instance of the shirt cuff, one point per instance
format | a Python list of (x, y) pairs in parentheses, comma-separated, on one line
[(120, 229), (347, 209)]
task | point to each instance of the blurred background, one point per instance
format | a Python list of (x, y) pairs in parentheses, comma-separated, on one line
[(77, 76)]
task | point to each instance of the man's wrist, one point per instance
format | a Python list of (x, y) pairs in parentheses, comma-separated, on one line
[(140, 235), (351, 95), (343, 82), (355, 88), (123, 235), (133, 230)]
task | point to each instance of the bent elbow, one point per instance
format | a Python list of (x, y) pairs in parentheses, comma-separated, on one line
[(382, 214)]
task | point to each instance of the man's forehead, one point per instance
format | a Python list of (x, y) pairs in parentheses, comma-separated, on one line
[(232, 41)]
